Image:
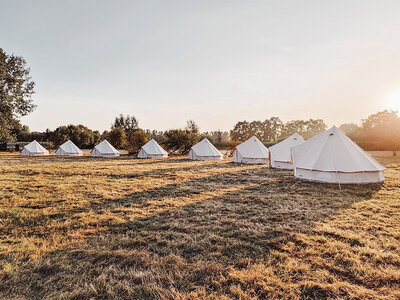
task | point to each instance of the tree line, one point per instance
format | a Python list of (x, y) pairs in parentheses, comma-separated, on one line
[(273, 129), (380, 131)]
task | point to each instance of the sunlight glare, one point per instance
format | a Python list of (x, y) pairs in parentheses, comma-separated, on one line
[(393, 101)]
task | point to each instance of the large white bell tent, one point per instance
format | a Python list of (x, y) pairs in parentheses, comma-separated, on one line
[(104, 149), (33, 149), (251, 151), (332, 157), (280, 156), (69, 149), (152, 150), (204, 150)]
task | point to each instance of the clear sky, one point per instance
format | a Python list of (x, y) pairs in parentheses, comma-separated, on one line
[(216, 62)]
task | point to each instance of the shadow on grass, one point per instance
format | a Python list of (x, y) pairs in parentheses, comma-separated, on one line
[(189, 243), (135, 172)]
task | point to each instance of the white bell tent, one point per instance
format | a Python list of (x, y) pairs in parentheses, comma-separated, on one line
[(251, 151), (104, 149), (204, 150), (332, 157), (280, 156), (69, 149), (152, 150), (34, 149)]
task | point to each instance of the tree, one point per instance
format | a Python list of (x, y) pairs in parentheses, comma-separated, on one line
[(136, 139), (270, 129), (80, 135), (180, 141), (158, 136), (241, 131), (16, 90), (128, 123), (59, 135), (384, 127), (219, 137), (352, 130), (306, 128), (314, 127), (104, 135), (117, 137), (192, 127), (96, 138), (23, 133), (266, 131)]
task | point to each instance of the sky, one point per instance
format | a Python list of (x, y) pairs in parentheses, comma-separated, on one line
[(216, 62)]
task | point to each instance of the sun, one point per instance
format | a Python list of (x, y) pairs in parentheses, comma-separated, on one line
[(393, 101)]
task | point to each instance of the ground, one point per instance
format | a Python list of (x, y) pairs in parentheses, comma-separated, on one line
[(91, 228)]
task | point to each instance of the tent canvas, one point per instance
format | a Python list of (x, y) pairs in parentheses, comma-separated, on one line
[(251, 151), (69, 149), (33, 149), (204, 150), (280, 156), (152, 150), (104, 149), (332, 157)]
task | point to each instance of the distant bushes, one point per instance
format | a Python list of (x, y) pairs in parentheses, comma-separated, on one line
[(380, 131)]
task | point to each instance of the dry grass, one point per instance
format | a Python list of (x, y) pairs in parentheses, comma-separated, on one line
[(83, 228)]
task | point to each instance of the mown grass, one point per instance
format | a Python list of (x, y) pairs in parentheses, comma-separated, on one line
[(86, 228)]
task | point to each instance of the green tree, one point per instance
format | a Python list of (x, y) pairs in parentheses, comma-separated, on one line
[(180, 141), (314, 127), (59, 135), (136, 139), (80, 135), (96, 138), (158, 136), (266, 131), (16, 90), (306, 128), (128, 123), (241, 131), (192, 127), (117, 137), (104, 135), (383, 127), (292, 127), (219, 137), (270, 129)]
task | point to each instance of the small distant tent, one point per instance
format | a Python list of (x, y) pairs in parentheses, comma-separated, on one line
[(104, 149), (69, 149), (280, 156), (332, 157), (204, 150), (251, 151), (34, 149), (152, 150)]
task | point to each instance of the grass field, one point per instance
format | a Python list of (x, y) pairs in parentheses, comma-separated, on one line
[(83, 228)]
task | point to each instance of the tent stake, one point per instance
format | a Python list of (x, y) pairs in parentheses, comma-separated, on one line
[(296, 182)]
